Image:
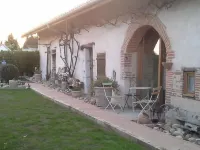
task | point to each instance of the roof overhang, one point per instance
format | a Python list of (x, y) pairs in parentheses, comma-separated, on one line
[(88, 6)]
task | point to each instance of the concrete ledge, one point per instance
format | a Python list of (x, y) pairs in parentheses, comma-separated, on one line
[(104, 124)]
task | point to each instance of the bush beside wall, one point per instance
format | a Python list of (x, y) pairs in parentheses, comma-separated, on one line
[(9, 72), (26, 61)]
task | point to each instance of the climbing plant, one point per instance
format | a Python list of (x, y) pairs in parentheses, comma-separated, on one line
[(69, 52)]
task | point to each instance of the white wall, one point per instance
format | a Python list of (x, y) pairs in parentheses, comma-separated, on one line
[(107, 39), (183, 28)]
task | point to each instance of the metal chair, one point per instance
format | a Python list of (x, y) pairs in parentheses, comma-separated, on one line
[(114, 100), (151, 102), (127, 96)]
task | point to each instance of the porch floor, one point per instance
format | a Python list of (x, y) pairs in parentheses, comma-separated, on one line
[(120, 122), (127, 113)]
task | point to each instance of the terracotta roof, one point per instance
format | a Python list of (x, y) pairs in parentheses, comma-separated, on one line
[(92, 4)]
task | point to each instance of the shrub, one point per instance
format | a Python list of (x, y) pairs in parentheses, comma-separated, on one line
[(0, 69), (26, 61), (9, 72), (76, 89), (99, 81)]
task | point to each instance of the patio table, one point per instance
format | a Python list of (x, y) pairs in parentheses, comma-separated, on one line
[(130, 94)]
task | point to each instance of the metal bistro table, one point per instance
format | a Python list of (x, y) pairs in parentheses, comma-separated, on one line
[(134, 96)]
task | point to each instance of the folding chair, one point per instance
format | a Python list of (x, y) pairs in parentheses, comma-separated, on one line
[(151, 102), (131, 95), (114, 100)]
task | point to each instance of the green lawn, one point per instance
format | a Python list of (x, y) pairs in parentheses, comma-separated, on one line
[(28, 121)]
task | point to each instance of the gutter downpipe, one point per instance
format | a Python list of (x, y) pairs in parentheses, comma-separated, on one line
[(47, 66)]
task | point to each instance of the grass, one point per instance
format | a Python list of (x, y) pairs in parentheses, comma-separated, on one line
[(29, 121)]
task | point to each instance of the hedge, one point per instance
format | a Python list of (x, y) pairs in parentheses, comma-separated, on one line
[(26, 61), (9, 72)]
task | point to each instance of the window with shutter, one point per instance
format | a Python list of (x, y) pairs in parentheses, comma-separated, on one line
[(101, 65)]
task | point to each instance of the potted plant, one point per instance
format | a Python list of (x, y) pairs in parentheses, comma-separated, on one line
[(38, 75), (56, 80), (98, 88), (76, 92), (64, 82)]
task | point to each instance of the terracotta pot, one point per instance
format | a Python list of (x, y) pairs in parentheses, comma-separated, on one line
[(63, 85), (56, 82), (101, 100), (38, 77), (143, 118), (76, 94)]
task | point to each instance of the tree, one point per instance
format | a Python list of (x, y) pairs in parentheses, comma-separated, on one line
[(12, 43)]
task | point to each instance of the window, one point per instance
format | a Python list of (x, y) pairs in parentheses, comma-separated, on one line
[(189, 84), (101, 65)]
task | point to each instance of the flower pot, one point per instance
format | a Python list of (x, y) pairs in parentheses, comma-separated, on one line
[(143, 118), (101, 100), (13, 83), (38, 77), (76, 94), (52, 80), (63, 85), (56, 82)]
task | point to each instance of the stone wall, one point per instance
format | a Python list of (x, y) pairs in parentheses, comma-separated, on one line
[(178, 83)]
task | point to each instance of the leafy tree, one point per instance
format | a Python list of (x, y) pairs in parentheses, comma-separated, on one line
[(12, 43)]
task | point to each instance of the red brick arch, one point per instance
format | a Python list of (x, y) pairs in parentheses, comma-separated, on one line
[(137, 30), (134, 35)]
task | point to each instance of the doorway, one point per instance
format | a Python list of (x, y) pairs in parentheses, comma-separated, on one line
[(88, 68), (53, 69), (48, 67), (151, 53)]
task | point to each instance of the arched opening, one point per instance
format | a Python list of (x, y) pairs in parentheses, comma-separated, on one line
[(150, 51)]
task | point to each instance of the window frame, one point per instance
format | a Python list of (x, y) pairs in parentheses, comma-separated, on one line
[(186, 74), (101, 68)]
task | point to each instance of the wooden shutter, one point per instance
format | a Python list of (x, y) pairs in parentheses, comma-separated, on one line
[(101, 65)]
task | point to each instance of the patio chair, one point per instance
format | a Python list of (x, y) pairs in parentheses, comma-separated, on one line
[(131, 95), (114, 100), (150, 102)]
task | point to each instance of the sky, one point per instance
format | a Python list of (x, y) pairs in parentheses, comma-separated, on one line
[(19, 16)]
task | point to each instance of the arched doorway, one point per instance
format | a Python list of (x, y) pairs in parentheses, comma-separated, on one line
[(132, 44), (150, 51)]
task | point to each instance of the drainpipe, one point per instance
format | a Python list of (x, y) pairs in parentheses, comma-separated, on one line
[(47, 67)]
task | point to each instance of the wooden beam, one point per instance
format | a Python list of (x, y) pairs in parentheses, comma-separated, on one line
[(160, 63)]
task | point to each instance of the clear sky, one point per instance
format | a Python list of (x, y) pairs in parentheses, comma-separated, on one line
[(19, 16)]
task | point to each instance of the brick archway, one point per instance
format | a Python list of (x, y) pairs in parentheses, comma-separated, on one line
[(144, 23), (134, 35)]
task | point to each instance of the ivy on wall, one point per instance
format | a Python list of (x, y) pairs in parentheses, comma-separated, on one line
[(26, 61)]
